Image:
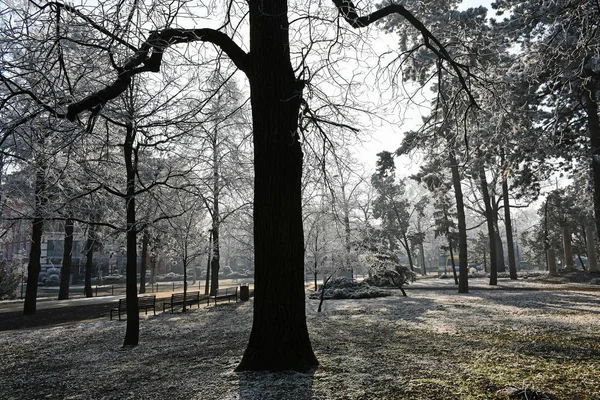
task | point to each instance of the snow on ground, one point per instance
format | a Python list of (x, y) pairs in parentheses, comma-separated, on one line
[(429, 345)]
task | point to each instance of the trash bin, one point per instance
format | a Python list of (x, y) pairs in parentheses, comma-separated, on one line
[(244, 293)]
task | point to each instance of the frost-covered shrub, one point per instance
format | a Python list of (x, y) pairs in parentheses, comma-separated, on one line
[(345, 288), (398, 277), (9, 280)]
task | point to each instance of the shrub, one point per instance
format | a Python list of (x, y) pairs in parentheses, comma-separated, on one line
[(9, 280), (345, 288)]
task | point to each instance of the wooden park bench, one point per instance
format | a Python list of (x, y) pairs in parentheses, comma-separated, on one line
[(229, 293), (177, 300), (144, 303)]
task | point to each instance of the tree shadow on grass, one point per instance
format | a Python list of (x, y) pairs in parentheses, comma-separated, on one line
[(264, 385)]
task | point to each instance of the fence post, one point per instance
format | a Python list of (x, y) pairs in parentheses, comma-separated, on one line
[(96, 290), (173, 286), (112, 290)]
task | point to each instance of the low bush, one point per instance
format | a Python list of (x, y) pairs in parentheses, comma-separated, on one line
[(9, 281), (345, 288)]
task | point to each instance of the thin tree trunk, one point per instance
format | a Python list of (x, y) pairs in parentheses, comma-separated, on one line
[(512, 263), (453, 265), (132, 333), (422, 259), (34, 267), (406, 246), (144, 261), (209, 258), (279, 338), (215, 265), (89, 258), (315, 273), (463, 282), (489, 216), (65, 271)]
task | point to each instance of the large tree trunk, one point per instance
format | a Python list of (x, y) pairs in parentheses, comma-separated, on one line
[(144, 261), (512, 263), (489, 216), (499, 249), (463, 262), (65, 271), (593, 123), (89, 259), (568, 249), (279, 338), (591, 249), (34, 267), (132, 332)]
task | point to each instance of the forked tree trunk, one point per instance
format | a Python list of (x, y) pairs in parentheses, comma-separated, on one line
[(65, 271), (279, 338), (489, 216)]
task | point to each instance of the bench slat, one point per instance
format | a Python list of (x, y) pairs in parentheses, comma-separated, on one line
[(144, 303), (227, 293)]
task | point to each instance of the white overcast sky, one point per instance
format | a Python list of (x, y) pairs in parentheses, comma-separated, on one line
[(389, 137)]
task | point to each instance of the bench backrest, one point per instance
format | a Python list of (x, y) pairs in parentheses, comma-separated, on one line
[(142, 301), (189, 296), (226, 291), (146, 300)]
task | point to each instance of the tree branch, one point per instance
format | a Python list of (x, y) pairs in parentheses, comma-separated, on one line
[(148, 58), (348, 10)]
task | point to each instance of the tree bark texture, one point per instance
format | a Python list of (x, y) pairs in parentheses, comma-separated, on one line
[(591, 249), (489, 216), (568, 249), (551, 256), (593, 122), (279, 338), (132, 333), (463, 262), (37, 230), (512, 263), (215, 263), (65, 271)]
